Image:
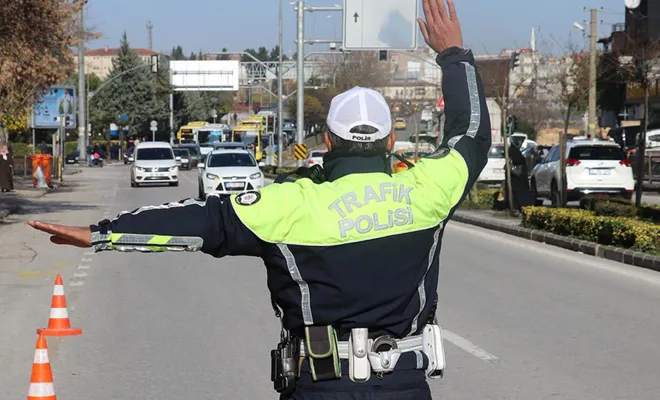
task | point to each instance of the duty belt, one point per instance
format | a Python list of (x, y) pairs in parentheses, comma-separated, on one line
[(365, 355)]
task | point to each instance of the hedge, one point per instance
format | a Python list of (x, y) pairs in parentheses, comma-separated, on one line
[(618, 207), (628, 233), (484, 200)]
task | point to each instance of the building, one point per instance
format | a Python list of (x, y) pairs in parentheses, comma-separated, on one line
[(636, 40), (412, 91), (99, 61)]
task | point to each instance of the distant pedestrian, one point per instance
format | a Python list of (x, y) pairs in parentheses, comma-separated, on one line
[(6, 170)]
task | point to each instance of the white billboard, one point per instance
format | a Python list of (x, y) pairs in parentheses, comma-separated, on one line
[(205, 75)]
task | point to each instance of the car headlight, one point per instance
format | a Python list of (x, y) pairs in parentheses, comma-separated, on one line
[(212, 177), (140, 168), (256, 175), (174, 168)]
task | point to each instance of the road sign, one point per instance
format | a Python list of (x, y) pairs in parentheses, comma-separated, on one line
[(153, 124), (380, 24), (441, 103), (55, 101), (300, 151)]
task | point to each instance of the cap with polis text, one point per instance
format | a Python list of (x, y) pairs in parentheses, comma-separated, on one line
[(359, 106)]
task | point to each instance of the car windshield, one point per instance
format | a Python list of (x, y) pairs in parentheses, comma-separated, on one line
[(192, 150), (232, 160), (399, 120), (597, 153), (496, 152), (154, 153), (411, 154), (181, 153)]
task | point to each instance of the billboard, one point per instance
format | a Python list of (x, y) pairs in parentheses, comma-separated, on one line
[(205, 75), (55, 101)]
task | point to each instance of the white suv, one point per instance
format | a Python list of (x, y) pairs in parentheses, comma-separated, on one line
[(592, 167), (229, 171), (154, 162)]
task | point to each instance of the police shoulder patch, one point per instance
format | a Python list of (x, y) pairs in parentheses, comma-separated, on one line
[(248, 198), (439, 153)]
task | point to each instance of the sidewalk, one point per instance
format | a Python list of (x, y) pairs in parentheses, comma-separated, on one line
[(23, 198)]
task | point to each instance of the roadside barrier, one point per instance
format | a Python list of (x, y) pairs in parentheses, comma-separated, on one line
[(58, 323), (41, 380)]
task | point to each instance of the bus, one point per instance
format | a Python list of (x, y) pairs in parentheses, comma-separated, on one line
[(212, 133), (186, 133), (250, 132)]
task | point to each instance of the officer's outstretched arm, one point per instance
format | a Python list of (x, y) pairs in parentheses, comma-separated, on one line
[(454, 168), (209, 226)]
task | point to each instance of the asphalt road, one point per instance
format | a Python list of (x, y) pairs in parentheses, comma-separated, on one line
[(523, 320)]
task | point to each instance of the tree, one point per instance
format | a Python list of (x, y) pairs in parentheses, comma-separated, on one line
[(133, 90), (35, 36), (568, 82), (177, 54), (315, 112)]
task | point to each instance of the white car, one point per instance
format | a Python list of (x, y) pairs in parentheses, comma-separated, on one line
[(315, 157), (592, 167), (154, 163), (493, 172), (229, 171)]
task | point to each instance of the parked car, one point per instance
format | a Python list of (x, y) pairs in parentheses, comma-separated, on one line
[(592, 167), (229, 171), (128, 155), (315, 157), (154, 163), (493, 172), (73, 157)]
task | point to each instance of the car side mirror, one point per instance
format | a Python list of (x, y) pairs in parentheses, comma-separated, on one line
[(200, 166)]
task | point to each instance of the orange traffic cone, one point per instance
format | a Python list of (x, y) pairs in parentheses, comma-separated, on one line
[(41, 381), (58, 323)]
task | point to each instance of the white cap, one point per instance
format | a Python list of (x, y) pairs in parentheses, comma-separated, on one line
[(359, 106)]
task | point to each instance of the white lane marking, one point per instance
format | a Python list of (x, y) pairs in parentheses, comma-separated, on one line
[(468, 346), (80, 274), (557, 253), (77, 283), (86, 259), (89, 253), (82, 266)]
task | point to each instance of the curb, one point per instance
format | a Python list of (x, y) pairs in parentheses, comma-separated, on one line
[(4, 214), (629, 257)]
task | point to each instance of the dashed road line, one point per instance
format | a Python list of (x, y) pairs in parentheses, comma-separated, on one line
[(468, 346)]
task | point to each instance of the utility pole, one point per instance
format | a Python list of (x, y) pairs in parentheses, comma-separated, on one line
[(592, 72), (300, 80), (150, 28), (82, 90), (280, 79)]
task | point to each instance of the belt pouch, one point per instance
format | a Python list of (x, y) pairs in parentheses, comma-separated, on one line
[(321, 348)]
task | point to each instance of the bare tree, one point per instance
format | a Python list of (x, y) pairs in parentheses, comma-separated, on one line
[(35, 36), (361, 68), (567, 83)]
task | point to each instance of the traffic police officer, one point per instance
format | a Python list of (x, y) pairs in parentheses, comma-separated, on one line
[(352, 262)]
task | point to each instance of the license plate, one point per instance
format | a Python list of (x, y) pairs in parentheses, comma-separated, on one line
[(234, 185), (600, 171)]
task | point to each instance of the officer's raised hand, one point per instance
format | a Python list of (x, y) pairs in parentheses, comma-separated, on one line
[(441, 30)]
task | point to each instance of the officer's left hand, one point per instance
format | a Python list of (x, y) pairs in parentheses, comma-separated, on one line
[(441, 30)]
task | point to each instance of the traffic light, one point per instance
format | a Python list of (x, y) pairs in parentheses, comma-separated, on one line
[(515, 60), (271, 124), (511, 122), (382, 55)]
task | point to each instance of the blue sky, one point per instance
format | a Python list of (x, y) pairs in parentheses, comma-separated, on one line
[(209, 25)]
